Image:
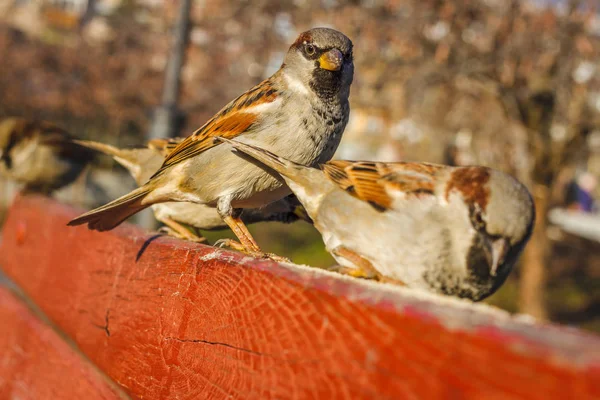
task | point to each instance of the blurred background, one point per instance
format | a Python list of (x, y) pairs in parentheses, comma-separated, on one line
[(514, 85)]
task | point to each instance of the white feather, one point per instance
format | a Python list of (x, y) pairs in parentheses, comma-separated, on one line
[(264, 107), (296, 84)]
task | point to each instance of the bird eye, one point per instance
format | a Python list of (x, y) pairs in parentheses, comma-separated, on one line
[(310, 49)]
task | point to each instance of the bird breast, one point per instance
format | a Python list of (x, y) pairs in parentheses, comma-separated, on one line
[(298, 130), (409, 242), (309, 137)]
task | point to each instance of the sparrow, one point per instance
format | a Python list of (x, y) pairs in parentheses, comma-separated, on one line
[(183, 219), (39, 155), (300, 112), (450, 230)]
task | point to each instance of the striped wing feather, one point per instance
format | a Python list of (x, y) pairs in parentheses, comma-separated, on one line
[(234, 119), (165, 146), (373, 182)]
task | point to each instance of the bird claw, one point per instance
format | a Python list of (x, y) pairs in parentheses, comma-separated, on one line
[(361, 274), (232, 244), (392, 281), (274, 257), (353, 272)]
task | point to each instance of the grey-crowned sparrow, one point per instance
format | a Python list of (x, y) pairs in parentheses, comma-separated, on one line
[(300, 112)]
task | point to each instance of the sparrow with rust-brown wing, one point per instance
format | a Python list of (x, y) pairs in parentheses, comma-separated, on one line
[(450, 230), (39, 155), (143, 162), (300, 113)]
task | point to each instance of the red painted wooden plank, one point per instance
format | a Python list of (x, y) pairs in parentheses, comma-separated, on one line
[(35, 363), (171, 319)]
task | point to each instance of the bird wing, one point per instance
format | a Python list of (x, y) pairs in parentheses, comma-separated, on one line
[(412, 178), (164, 146), (234, 119), (373, 182)]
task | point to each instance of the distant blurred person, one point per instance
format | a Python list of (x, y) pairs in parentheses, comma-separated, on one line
[(579, 194)]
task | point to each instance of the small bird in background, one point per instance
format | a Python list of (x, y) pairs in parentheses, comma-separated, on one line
[(451, 230), (183, 219), (39, 155), (300, 112)]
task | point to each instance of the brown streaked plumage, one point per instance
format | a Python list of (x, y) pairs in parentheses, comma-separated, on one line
[(234, 119), (183, 219), (304, 37), (371, 181), (40, 155), (450, 230), (164, 146), (300, 112), (471, 183), (361, 179)]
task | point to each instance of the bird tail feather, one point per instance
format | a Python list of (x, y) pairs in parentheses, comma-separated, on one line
[(101, 147), (128, 158), (110, 215)]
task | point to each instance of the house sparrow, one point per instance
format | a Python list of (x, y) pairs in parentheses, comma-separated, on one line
[(451, 230), (300, 112), (182, 219), (39, 155)]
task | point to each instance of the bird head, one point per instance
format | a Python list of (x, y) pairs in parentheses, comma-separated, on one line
[(506, 222), (501, 216), (8, 139), (321, 60)]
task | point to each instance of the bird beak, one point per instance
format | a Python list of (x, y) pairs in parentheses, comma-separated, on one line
[(495, 253), (332, 60)]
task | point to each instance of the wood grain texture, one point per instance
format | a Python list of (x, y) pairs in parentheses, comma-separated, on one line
[(170, 319), (35, 363)]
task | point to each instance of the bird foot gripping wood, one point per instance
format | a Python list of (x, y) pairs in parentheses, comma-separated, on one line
[(353, 272), (247, 244), (362, 274), (179, 231), (232, 244), (363, 268)]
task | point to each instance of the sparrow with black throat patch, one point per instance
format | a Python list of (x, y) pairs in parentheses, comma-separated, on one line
[(300, 112), (450, 230)]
